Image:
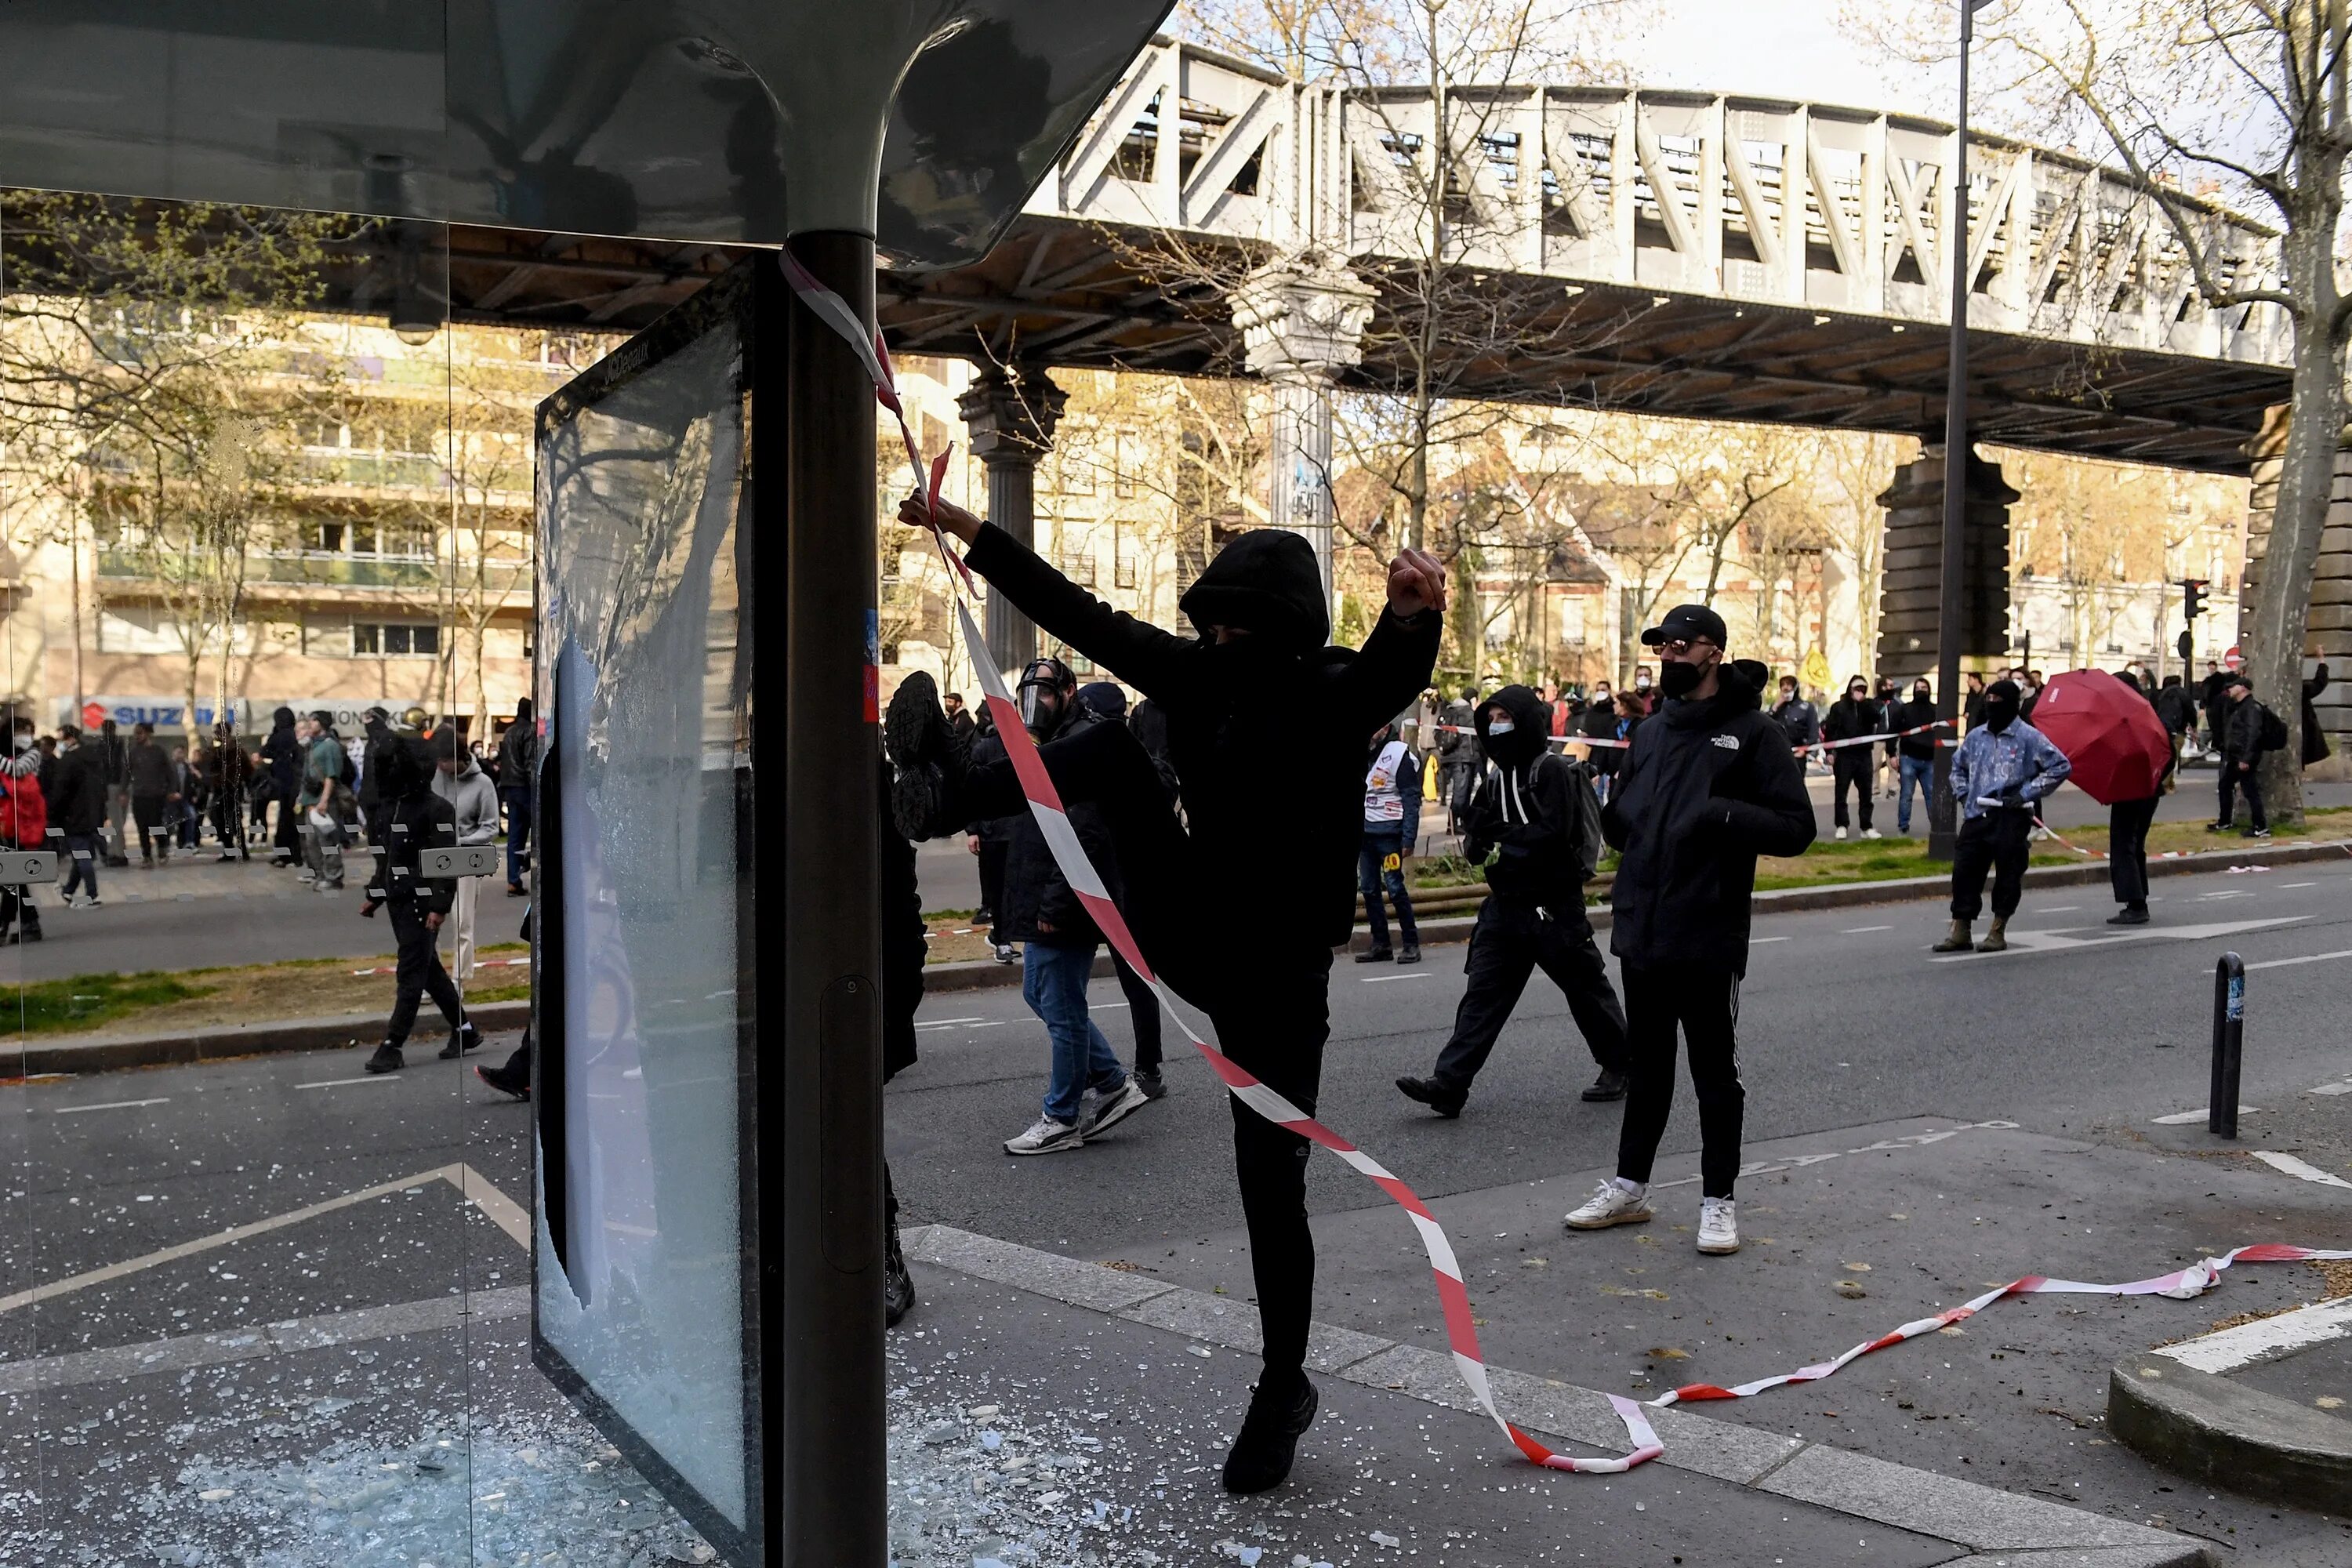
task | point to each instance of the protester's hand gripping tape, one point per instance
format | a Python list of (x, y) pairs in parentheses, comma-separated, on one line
[(1454, 1298)]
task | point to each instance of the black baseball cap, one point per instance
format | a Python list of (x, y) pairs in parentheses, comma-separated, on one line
[(1688, 622)]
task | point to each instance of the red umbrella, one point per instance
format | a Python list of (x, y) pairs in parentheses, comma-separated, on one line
[(2109, 732)]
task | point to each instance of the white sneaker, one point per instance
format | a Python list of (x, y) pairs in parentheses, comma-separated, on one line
[(1046, 1137), (1872, 833), (1841, 833), (1103, 1113), (1718, 1227), (1613, 1202)]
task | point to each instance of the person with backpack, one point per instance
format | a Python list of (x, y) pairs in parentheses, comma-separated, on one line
[(24, 824), (1392, 786), (1536, 816), (2245, 731)]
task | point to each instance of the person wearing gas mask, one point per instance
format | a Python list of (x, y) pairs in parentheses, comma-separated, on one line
[(2002, 767), (1851, 717), (1536, 816), (1257, 683), (1087, 1092), (1708, 785)]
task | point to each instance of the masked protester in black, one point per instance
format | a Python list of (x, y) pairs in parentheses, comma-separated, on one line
[(1708, 785), (1529, 814), (1257, 684), (1850, 716)]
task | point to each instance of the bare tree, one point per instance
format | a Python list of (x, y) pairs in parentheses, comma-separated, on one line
[(2250, 95)]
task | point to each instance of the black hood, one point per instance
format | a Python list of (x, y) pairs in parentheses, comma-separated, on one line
[(1265, 583), (1531, 726), (1749, 677), (283, 719)]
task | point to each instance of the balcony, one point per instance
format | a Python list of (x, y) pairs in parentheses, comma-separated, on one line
[(333, 570)]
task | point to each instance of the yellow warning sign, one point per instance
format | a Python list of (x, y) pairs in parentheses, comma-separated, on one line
[(1815, 672)]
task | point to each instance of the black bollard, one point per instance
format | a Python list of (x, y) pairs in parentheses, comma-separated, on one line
[(2229, 1043)]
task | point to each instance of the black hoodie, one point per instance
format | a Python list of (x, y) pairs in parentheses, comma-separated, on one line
[(1037, 903), (1266, 732), (1706, 787), (1525, 810)]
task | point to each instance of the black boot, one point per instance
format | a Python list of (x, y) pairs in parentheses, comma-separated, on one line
[(509, 1077), (1381, 954), (467, 1039), (1280, 1411), (386, 1058), (927, 757), (898, 1284), (1430, 1092), (2129, 915), (1610, 1085)]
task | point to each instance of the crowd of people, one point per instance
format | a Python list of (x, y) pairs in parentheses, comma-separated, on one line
[(299, 799)]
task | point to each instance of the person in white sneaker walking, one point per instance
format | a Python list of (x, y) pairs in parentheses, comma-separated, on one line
[(1851, 766), (1708, 785)]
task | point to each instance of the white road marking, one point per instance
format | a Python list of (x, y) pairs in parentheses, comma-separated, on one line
[(1384, 979), (944, 1022), (1104, 1007), (1760, 940), (339, 1082), (2266, 1339), (2183, 1118), (108, 1105), (2284, 885), (1796, 1161), (2227, 893), (2057, 909), (495, 1206), (2291, 1166), (1857, 931), (2057, 940), (2343, 1087), (996, 1025), (2288, 962)]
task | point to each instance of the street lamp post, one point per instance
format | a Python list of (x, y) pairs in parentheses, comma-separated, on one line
[(1943, 812)]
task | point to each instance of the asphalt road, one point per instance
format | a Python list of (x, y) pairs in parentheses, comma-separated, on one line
[(1861, 1051)]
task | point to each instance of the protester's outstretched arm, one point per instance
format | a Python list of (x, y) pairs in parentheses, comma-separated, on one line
[(1396, 662), (1143, 656), (1779, 820)]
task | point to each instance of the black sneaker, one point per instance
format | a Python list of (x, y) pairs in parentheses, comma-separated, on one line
[(1154, 1087), (1409, 953), (467, 1038), (506, 1078), (1375, 955), (1427, 1091), (1261, 1457), (2258, 833), (2219, 826), (898, 1284), (928, 758), (386, 1058), (2129, 915), (1610, 1085)]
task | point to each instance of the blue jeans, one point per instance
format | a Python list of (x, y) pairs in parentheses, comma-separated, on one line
[(519, 804), (1920, 770), (83, 852), (1371, 876), (1054, 983)]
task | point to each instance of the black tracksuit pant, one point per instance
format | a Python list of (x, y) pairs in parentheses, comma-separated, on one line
[(2250, 780), (1704, 1004), (418, 973), (1995, 840), (2127, 825), (1268, 998), (1853, 768), (1513, 936), (992, 852), (1142, 1014)]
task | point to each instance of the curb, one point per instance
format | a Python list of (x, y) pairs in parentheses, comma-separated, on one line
[(1979, 1518), (981, 973), (113, 1053), (2209, 1429)]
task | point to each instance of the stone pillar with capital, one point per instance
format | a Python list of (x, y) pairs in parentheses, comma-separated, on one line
[(1302, 323), (1009, 416)]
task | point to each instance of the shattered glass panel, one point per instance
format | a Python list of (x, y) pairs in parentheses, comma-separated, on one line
[(641, 1250)]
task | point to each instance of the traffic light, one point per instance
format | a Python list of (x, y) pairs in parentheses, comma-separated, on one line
[(2192, 597)]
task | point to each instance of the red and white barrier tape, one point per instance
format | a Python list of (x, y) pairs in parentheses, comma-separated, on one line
[(1454, 1298), (1799, 751)]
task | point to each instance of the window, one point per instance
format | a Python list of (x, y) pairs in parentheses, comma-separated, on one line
[(1079, 567), (1124, 462), (394, 639), (1125, 571)]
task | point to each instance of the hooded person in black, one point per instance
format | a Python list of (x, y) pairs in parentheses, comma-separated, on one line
[(282, 750), (413, 819), (1258, 683), (1531, 812), (1708, 785), (1852, 716)]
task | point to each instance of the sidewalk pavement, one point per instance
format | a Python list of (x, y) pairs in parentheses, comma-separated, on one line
[(1848, 1234)]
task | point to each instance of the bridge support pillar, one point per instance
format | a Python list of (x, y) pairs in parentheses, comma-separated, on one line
[(1010, 419), (1302, 323), (2327, 634), (1910, 643)]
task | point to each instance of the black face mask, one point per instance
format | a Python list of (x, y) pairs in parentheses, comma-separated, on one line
[(1676, 678), (1999, 715), (1918, 694)]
